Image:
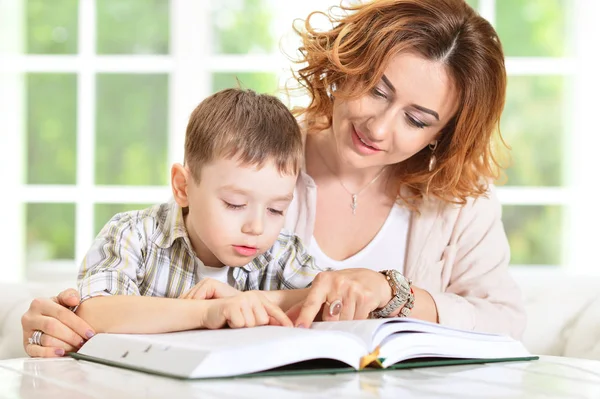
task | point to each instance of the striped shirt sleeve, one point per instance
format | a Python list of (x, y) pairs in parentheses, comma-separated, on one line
[(114, 261), (296, 269)]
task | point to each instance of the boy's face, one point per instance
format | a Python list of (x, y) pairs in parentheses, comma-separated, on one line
[(235, 212)]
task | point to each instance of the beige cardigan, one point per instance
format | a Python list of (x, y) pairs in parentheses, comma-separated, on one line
[(460, 255)]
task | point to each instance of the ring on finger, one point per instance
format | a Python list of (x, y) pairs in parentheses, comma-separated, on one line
[(36, 338), (335, 307)]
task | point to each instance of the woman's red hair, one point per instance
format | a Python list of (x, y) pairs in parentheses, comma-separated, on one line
[(358, 49)]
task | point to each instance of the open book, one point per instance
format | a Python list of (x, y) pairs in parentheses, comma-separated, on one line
[(353, 345)]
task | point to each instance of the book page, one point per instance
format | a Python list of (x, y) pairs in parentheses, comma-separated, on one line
[(221, 353), (405, 346), (399, 325), (365, 330)]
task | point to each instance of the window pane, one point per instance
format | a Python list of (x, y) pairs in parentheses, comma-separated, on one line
[(474, 4), (534, 233), (51, 26), (533, 124), (50, 232), (534, 28), (133, 27), (242, 26), (259, 82), (104, 212), (51, 128), (131, 129)]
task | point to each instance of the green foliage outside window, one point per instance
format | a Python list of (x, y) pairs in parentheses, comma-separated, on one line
[(51, 128), (533, 124), (132, 110), (51, 26)]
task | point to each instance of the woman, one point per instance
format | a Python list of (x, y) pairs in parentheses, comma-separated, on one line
[(406, 97)]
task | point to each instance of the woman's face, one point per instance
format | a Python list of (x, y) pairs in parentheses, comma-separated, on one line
[(404, 113)]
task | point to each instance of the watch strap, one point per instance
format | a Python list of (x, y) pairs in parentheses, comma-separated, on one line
[(403, 296)]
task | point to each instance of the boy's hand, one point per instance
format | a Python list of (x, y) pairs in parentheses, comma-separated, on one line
[(210, 288), (248, 309)]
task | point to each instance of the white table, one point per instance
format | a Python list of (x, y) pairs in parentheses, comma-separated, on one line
[(549, 377)]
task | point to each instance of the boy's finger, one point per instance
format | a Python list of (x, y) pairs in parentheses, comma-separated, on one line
[(236, 319), (248, 313), (279, 315), (261, 316), (294, 311), (206, 291)]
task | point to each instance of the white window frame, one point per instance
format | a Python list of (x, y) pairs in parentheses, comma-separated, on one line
[(190, 64), (578, 191)]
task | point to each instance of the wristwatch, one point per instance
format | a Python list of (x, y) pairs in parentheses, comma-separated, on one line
[(402, 296)]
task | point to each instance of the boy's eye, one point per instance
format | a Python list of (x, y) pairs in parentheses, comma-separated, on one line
[(233, 206), (275, 211)]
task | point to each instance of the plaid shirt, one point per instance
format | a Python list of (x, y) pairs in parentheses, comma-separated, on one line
[(148, 252)]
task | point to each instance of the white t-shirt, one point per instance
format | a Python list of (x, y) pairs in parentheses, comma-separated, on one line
[(385, 251), (216, 273)]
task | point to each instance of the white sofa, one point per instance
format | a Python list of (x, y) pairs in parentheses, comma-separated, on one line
[(563, 313)]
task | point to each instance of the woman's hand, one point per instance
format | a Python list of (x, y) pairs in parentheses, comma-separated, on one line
[(209, 288), (359, 290), (63, 331)]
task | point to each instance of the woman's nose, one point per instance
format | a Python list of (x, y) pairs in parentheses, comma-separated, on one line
[(381, 126)]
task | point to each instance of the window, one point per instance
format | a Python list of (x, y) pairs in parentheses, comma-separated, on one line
[(544, 97), (96, 96)]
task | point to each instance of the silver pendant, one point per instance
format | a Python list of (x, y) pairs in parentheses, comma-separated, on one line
[(354, 203)]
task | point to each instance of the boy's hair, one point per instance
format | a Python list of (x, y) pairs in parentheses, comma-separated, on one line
[(255, 128)]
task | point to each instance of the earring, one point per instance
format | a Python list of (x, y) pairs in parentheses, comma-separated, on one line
[(331, 91), (432, 158)]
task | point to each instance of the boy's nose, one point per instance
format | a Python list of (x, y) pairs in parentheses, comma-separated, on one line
[(254, 227)]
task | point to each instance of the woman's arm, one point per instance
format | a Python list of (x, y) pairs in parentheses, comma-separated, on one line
[(478, 292)]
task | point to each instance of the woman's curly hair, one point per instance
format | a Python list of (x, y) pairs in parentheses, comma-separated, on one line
[(357, 50)]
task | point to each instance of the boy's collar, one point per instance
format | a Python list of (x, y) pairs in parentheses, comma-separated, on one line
[(173, 226)]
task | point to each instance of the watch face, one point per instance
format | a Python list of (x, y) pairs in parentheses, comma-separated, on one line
[(401, 283)]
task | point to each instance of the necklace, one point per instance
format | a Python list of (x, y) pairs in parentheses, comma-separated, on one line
[(355, 195)]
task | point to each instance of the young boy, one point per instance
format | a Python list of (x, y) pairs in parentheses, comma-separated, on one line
[(243, 152)]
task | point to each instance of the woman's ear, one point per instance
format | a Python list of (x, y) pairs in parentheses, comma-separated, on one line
[(180, 178)]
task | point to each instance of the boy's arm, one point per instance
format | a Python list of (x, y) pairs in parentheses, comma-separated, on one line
[(109, 279), (114, 264), (132, 314), (140, 315)]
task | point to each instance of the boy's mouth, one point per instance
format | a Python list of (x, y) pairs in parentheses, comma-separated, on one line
[(245, 250)]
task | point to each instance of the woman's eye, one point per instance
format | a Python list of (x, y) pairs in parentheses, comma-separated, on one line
[(378, 93), (232, 206), (275, 211), (415, 122)]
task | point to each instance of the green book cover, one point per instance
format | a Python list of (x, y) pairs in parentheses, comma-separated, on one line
[(318, 366)]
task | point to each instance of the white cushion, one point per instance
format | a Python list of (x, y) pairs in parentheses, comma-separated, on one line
[(584, 340)]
